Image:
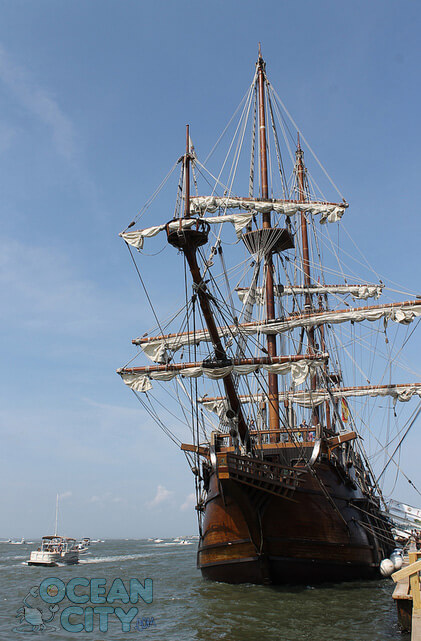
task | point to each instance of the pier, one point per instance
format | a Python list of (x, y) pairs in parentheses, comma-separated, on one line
[(407, 595)]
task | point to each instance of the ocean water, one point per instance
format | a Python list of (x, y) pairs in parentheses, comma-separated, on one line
[(186, 607)]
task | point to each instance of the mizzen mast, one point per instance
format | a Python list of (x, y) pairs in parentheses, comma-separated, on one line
[(308, 305)]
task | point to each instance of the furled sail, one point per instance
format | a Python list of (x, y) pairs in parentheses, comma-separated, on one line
[(357, 291), (329, 212), (136, 238), (313, 398), (156, 347), (139, 378)]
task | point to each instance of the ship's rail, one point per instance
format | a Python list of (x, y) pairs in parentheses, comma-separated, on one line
[(260, 474), (291, 435)]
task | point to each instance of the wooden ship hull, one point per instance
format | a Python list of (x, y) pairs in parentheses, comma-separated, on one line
[(296, 535)]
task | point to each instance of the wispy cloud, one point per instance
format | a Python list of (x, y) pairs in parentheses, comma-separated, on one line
[(40, 103), (65, 495), (106, 499), (162, 495), (188, 503), (7, 134), (42, 280)]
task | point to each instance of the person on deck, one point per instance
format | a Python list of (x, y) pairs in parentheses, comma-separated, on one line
[(302, 436)]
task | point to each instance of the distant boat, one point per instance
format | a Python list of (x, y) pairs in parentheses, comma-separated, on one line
[(21, 542), (406, 520), (158, 540), (55, 549), (83, 545)]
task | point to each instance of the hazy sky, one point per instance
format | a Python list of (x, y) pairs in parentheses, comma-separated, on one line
[(94, 97)]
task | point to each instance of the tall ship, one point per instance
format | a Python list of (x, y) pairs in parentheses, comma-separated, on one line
[(262, 355)]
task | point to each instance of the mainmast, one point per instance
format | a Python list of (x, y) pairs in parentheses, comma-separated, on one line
[(308, 305), (187, 175), (268, 265)]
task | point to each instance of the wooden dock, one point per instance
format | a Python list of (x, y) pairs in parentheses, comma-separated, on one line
[(407, 595)]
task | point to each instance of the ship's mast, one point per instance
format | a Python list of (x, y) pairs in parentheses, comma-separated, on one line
[(268, 265), (187, 175), (308, 305), (55, 528), (188, 241)]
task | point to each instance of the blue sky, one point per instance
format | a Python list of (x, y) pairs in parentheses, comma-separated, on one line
[(94, 97)]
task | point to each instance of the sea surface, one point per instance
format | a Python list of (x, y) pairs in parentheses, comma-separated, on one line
[(185, 606)]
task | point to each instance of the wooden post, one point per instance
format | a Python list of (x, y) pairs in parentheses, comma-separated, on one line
[(414, 582), (413, 618)]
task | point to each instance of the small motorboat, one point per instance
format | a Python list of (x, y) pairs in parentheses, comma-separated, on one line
[(55, 549)]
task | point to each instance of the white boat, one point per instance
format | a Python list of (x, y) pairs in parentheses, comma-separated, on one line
[(21, 542), (406, 520), (55, 549), (83, 545)]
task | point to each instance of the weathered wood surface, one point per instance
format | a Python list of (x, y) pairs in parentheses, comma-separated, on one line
[(406, 571), (401, 590), (416, 627), (407, 595)]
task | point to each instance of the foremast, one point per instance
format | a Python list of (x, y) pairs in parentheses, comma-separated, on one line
[(188, 241)]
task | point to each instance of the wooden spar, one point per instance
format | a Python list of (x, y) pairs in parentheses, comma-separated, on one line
[(266, 221), (265, 360), (306, 264), (317, 288), (295, 316), (404, 303), (288, 201), (187, 175), (335, 390)]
